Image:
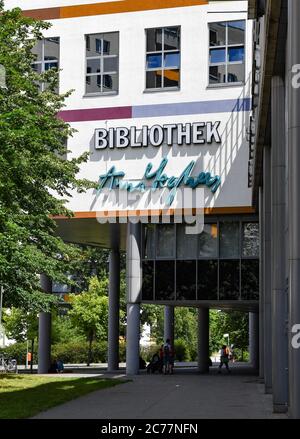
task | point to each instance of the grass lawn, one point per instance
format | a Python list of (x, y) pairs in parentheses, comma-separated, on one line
[(23, 396)]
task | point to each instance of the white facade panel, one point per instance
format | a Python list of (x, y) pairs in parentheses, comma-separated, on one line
[(228, 160)]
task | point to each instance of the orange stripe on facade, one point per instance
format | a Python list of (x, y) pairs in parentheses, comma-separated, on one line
[(159, 212), (109, 8)]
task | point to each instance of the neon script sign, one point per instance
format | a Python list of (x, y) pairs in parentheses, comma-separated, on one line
[(160, 180)]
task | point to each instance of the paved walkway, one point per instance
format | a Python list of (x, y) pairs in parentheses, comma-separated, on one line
[(184, 395)]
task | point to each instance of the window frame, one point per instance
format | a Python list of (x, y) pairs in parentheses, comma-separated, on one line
[(226, 63), (162, 52), (43, 62), (101, 73)]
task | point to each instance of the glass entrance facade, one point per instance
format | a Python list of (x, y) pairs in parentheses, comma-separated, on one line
[(220, 264)]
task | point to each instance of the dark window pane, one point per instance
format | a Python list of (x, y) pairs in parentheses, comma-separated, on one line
[(186, 243), (217, 34), (236, 72), (236, 32), (111, 43), (51, 65), (171, 38), (93, 45), (208, 241), (93, 66), (51, 49), (217, 74), (153, 79), (154, 40), (153, 61), (37, 50), (165, 240), (110, 83), (250, 239), (164, 280), (93, 84), (207, 280), (149, 241), (172, 59), (230, 240), (148, 278), (250, 280), (171, 78), (217, 56), (236, 54), (229, 283), (110, 64), (186, 280)]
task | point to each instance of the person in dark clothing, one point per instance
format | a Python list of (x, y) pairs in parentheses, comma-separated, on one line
[(224, 357)]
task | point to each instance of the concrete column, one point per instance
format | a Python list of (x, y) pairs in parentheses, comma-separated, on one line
[(133, 285), (279, 311), (44, 348), (267, 270), (293, 48), (203, 340), (254, 339), (169, 323), (261, 288), (114, 300)]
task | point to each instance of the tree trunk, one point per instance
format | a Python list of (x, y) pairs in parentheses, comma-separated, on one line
[(90, 349), (31, 362)]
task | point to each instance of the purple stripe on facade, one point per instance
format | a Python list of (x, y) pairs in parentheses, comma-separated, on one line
[(205, 107), (157, 110), (96, 114)]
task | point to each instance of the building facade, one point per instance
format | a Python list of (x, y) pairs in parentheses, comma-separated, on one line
[(162, 102), (275, 193)]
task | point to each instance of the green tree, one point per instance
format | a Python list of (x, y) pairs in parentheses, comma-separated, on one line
[(21, 326), (35, 178), (89, 312), (234, 323)]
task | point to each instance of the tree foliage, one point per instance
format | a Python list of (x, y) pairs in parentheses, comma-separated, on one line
[(35, 178), (20, 325), (234, 323), (89, 312)]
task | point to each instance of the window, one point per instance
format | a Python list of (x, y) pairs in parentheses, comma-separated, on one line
[(250, 239), (208, 241), (227, 52), (102, 63), (165, 280), (165, 247), (46, 53), (186, 280), (229, 240), (163, 58), (148, 279)]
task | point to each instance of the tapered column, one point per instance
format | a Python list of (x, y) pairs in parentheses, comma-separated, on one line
[(293, 49), (279, 302), (254, 339), (133, 285), (203, 340), (114, 300), (267, 270), (44, 349), (169, 323), (261, 288)]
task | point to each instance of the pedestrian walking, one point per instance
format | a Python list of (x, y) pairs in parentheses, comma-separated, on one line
[(224, 358)]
